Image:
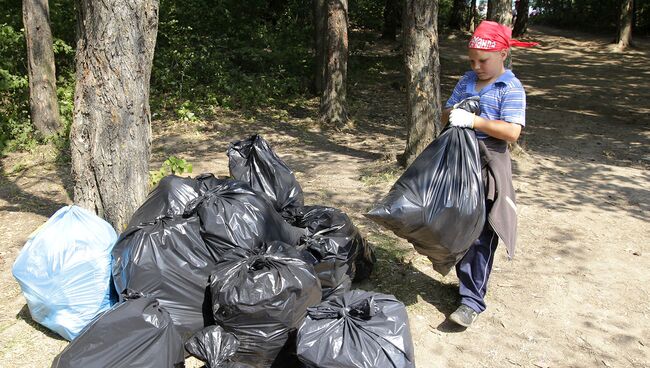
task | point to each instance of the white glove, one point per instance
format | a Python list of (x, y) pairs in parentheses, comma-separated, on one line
[(461, 118)]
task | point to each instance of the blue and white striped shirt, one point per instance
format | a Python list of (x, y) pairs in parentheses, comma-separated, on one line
[(505, 99)]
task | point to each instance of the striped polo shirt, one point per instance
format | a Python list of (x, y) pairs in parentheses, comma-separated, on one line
[(505, 99)]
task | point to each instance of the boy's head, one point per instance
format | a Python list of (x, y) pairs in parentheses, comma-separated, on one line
[(487, 65), (489, 47)]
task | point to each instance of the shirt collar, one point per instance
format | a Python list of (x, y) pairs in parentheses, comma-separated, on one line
[(503, 78)]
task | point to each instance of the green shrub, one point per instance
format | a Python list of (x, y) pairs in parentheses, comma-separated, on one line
[(172, 166)]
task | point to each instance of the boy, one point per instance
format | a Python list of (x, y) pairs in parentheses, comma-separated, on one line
[(503, 107)]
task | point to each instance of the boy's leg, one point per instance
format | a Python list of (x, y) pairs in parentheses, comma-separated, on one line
[(474, 268)]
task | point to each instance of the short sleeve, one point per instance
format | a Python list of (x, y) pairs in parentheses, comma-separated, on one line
[(457, 94), (513, 105)]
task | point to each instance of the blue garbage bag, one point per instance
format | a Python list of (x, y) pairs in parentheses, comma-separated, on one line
[(64, 270)]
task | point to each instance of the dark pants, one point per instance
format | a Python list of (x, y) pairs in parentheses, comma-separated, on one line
[(474, 269)]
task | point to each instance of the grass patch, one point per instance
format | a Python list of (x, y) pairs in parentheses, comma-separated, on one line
[(388, 175)]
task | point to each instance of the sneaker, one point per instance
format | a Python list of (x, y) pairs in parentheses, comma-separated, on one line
[(463, 316)]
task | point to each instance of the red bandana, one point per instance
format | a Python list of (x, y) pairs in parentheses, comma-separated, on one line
[(492, 36)]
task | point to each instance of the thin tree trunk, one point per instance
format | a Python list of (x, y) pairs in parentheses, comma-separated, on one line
[(333, 105), (422, 76), (521, 21), (320, 36), (472, 17), (392, 16), (43, 103), (624, 39), (111, 131), (500, 11), (457, 12)]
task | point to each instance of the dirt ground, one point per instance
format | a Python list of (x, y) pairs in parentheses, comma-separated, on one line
[(575, 295)]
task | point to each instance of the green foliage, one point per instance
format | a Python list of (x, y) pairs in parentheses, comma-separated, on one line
[(367, 13), (16, 130), (14, 91), (172, 166), (230, 53), (595, 15)]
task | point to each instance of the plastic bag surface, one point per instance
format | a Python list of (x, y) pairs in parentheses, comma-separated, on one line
[(261, 299), (253, 161), (212, 345), (234, 216), (168, 198), (167, 260), (358, 330), (438, 204), (64, 270), (137, 333), (335, 241)]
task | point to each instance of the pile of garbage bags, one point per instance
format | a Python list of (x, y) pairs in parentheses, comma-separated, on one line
[(230, 270)]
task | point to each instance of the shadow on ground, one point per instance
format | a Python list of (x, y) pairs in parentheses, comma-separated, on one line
[(25, 315)]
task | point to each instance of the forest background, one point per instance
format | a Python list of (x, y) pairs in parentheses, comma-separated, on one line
[(237, 54)]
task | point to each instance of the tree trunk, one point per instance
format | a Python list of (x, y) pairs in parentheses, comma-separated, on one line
[(320, 36), (472, 16), (625, 25), (521, 21), (456, 20), (333, 105), (392, 16), (422, 76), (43, 103), (500, 11), (111, 131)]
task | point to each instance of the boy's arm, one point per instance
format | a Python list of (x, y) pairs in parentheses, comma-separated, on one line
[(511, 119), (500, 129)]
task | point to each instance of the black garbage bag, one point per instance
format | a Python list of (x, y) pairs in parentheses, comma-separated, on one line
[(212, 345), (234, 216), (331, 265), (358, 330), (438, 204), (135, 333), (253, 161), (208, 181), (170, 197), (261, 299), (167, 260), (338, 240)]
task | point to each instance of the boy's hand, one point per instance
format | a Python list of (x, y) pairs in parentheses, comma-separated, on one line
[(461, 118)]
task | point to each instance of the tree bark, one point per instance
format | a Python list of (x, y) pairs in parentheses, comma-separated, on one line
[(43, 103), (111, 130), (392, 16), (333, 105), (500, 11), (320, 36), (422, 76), (456, 20), (521, 21), (472, 16), (624, 38)]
